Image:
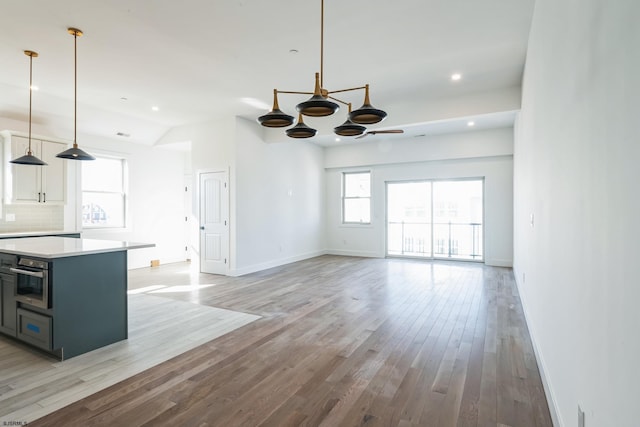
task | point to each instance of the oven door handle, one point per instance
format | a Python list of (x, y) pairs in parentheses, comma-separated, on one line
[(39, 274)]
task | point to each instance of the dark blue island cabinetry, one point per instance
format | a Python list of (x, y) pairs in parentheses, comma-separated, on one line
[(65, 296)]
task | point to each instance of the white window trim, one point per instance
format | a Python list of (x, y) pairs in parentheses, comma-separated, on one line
[(354, 224), (125, 187)]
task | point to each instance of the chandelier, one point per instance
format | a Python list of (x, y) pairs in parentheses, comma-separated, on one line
[(321, 104)]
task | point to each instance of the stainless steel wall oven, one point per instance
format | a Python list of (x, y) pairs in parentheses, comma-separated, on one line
[(32, 282)]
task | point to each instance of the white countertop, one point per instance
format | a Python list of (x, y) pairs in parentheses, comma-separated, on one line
[(36, 233), (58, 247)]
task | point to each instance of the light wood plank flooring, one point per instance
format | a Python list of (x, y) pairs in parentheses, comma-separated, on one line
[(341, 342), (33, 384)]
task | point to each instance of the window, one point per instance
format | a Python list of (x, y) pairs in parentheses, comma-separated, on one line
[(103, 193), (356, 197)]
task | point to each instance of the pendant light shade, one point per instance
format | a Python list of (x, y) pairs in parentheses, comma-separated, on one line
[(301, 130), (317, 105), (348, 128), (276, 118), (29, 158), (367, 114), (75, 153)]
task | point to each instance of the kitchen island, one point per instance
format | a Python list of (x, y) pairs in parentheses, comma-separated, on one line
[(63, 295)]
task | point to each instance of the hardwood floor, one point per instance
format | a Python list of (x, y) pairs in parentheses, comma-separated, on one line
[(342, 341), (33, 384)]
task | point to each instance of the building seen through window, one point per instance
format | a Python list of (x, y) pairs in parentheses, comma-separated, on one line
[(103, 193)]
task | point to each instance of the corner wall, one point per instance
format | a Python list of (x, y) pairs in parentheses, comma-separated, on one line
[(480, 154), (576, 175), (279, 199)]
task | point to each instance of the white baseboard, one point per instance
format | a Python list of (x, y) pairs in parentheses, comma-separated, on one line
[(273, 263), (499, 262), (551, 400), (365, 254)]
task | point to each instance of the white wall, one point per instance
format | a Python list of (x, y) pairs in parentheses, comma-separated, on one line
[(212, 149), (155, 182), (279, 202), (576, 170), (480, 154)]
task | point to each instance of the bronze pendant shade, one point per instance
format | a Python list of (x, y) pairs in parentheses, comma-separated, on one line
[(275, 118), (300, 130), (348, 128), (367, 114), (321, 104), (317, 105), (75, 153), (29, 158)]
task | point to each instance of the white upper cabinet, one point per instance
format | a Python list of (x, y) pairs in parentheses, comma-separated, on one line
[(34, 184)]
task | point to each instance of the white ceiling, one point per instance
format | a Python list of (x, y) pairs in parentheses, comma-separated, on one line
[(199, 60)]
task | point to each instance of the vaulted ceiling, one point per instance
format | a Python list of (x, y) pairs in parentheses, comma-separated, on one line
[(198, 60)]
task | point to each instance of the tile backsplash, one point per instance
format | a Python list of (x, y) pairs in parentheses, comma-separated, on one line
[(32, 218)]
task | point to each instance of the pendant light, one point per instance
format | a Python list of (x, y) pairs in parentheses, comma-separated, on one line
[(348, 128), (317, 105), (301, 130), (275, 118), (75, 153), (29, 158), (367, 114)]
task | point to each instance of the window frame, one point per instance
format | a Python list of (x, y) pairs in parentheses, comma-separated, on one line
[(124, 194), (345, 197)]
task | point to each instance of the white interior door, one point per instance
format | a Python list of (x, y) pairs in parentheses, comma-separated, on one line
[(214, 223)]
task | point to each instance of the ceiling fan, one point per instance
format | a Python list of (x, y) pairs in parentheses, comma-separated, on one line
[(374, 132)]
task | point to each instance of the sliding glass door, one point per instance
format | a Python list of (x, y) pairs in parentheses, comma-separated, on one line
[(436, 219)]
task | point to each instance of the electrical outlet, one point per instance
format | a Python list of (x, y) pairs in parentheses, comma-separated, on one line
[(531, 220), (580, 417), (10, 217)]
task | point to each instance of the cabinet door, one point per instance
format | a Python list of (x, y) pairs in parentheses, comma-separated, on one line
[(7, 305), (54, 174), (26, 178)]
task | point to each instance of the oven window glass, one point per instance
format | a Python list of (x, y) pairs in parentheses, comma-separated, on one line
[(29, 285)]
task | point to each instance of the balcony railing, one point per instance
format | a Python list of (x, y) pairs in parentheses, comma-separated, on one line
[(453, 240)]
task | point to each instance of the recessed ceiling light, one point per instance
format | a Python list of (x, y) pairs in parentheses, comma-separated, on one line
[(456, 76), (124, 98), (155, 108), (337, 139), (294, 51), (471, 123), (125, 135)]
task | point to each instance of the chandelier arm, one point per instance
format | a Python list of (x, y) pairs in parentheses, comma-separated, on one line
[(347, 90), (294, 92), (339, 100)]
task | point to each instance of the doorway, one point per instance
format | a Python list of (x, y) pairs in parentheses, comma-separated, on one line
[(214, 223), (436, 219)]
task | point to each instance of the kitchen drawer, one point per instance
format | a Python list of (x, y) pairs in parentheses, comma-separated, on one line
[(6, 262), (35, 328)]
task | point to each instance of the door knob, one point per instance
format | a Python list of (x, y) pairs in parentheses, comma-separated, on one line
[(202, 227)]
